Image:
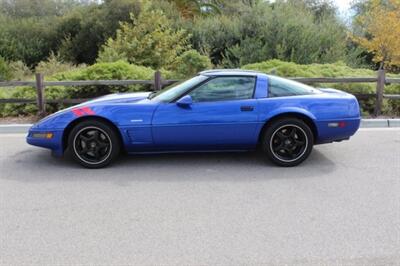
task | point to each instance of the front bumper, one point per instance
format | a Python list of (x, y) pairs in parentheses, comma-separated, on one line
[(39, 137)]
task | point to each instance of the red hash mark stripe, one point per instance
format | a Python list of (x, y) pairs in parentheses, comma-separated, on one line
[(83, 111), (87, 110)]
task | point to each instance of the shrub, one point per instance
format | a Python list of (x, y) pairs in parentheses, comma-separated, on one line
[(189, 63), (20, 71), (2, 96), (290, 69), (393, 105), (105, 71), (101, 71), (5, 72), (53, 65), (12, 109)]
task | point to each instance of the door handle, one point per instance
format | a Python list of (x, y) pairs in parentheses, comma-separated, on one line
[(246, 108)]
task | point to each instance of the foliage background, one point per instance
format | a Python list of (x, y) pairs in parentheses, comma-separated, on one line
[(130, 39)]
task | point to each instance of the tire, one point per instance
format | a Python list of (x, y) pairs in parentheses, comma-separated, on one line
[(94, 144), (287, 142)]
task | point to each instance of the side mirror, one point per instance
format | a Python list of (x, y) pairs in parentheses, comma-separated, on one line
[(185, 101)]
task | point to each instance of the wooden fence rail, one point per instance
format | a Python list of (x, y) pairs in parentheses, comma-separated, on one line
[(158, 83)]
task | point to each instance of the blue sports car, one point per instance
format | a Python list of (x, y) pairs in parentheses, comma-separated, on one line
[(217, 110)]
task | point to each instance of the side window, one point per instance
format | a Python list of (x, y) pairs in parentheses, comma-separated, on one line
[(224, 88), (279, 87)]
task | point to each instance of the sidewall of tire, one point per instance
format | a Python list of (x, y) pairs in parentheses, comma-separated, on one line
[(278, 124), (115, 142)]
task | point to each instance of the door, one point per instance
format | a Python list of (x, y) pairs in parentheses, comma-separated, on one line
[(223, 115)]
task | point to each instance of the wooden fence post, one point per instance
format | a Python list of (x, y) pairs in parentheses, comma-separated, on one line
[(157, 81), (40, 94), (380, 86)]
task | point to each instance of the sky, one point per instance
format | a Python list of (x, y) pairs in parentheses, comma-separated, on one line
[(343, 5)]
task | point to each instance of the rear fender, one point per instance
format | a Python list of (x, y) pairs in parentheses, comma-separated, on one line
[(289, 111), (285, 110)]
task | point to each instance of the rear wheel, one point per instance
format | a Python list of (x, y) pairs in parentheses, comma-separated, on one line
[(288, 141), (93, 144)]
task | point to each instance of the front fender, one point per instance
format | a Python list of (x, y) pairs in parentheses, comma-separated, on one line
[(57, 124)]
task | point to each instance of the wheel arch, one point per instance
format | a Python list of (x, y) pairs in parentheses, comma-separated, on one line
[(307, 119), (78, 120)]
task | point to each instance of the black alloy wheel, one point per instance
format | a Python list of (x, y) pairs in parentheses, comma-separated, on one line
[(93, 144), (288, 142)]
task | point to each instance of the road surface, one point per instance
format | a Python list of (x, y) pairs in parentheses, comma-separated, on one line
[(341, 207)]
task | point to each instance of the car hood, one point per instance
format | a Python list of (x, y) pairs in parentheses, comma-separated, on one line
[(107, 99), (119, 98)]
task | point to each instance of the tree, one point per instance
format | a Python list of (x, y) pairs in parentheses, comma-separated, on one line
[(287, 30), (36, 8), (85, 29), (381, 24), (28, 39), (190, 63), (148, 40)]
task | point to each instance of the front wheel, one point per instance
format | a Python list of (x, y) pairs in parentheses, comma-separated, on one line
[(288, 141), (93, 144)]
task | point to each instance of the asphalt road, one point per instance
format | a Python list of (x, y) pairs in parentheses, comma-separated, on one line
[(341, 207)]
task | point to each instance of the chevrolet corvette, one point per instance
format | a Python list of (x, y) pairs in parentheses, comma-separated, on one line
[(217, 110)]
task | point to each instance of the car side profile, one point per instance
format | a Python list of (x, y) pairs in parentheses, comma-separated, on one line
[(217, 110)]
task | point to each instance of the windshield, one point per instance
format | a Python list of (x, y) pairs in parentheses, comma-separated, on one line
[(172, 92)]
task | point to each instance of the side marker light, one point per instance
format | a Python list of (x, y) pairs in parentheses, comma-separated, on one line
[(340, 124)]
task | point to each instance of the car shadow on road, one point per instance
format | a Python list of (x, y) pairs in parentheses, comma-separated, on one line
[(39, 166)]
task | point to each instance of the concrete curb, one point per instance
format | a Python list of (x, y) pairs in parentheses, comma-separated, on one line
[(370, 123), (15, 128), (365, 123)]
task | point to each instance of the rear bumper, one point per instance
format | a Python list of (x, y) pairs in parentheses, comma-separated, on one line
[(329, 133), (54, 143)]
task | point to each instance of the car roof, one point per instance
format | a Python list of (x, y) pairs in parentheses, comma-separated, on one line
[(230, 72)]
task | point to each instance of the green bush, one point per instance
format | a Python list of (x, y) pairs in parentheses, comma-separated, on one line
[(392, 105), (5, 72), (339, 69), (2, 96), (12, 109), (189, 63), (290, 69), (20, 71), (101, 71), (105, 71), (53, 65)]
